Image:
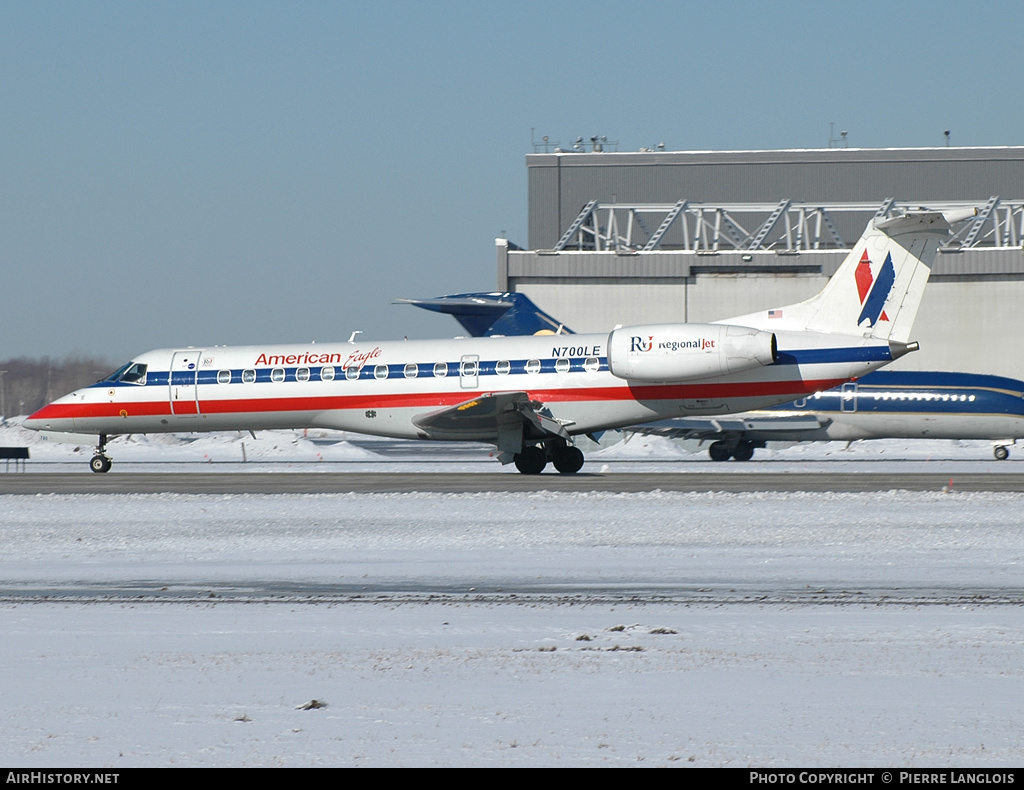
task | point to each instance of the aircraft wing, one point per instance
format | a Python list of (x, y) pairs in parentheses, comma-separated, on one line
[(709, 427), (504, 418)]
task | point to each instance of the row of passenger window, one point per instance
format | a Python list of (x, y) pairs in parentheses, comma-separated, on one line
[(850, 394), (410, 371), (927, 396)]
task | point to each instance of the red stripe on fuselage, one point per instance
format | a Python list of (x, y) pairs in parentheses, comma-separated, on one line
[(641, 393), (63, 411)]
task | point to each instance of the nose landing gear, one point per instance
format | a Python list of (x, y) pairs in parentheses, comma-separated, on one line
[(100, 463)]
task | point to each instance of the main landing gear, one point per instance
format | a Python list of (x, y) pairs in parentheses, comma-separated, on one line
[(100, 463), (742, 450), (531, 460)]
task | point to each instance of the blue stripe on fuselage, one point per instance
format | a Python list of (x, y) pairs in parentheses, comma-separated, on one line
[(919, 392), (929, 378), (158, 378), (820, 356)]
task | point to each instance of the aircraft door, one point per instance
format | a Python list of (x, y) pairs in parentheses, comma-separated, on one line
[(469, 372), (184, 394), (848, 399)]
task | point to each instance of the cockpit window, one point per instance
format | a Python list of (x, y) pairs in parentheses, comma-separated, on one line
[(116, 375), (132, 373)]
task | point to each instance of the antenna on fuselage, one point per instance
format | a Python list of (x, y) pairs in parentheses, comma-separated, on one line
[(352, 337)]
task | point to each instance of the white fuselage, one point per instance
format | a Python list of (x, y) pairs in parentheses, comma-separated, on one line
[(381, 388)]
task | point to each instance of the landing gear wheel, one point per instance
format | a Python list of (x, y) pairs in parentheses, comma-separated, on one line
[(720, 451), (568, 460), (1001, 453), (100, 463), (743, 451), (531, 461)]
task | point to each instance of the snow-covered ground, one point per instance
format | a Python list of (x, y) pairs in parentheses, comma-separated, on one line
[(512, 629), (510, 685), (509, 629), (305, 450)]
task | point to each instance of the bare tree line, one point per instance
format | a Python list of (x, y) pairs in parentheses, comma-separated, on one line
[(29, 384)]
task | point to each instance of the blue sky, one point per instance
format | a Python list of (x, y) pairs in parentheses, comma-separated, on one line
[(205, 173)]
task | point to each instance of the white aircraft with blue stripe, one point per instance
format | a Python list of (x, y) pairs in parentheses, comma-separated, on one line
[(529, 396), (887, 404)]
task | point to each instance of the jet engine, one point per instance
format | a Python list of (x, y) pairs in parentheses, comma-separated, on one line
[(679, 352)]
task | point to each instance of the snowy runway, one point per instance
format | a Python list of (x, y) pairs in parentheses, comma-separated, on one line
[(513, 629), (586, 543)]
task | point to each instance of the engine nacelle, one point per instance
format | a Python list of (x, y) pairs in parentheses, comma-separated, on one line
[(679, 352)]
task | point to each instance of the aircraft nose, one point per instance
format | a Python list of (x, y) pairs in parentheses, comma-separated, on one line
[(48, 419)]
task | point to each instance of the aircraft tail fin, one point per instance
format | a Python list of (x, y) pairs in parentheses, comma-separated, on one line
[(488, 314), (877, 290)]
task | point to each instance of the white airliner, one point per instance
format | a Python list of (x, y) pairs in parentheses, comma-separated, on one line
[(530, 395), (883, 405)]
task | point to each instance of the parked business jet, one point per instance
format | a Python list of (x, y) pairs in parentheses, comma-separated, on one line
[(883, 405), (530, 395)]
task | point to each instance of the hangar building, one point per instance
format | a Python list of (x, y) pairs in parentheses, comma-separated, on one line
[(657, 236)]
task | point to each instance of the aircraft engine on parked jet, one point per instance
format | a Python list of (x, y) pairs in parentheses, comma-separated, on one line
[(679, 352)]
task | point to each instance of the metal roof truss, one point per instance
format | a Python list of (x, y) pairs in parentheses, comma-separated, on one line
[(785, 227)]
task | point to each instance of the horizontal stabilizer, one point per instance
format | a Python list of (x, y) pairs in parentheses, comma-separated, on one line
[(489, 314)]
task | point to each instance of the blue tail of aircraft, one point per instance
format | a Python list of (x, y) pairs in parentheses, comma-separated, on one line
[(490, 314)]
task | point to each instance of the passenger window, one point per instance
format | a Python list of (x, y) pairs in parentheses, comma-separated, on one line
[(412, 370), (591, 364), (440, 370), (302, 374), (533, 366), (248, 376), (277, 375), (352, 373), (224, 377), (468, 368), (327, 373), (561, 365), (502, 368), (380, 372)]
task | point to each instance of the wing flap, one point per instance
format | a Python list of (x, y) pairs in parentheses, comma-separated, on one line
[(499, 417)]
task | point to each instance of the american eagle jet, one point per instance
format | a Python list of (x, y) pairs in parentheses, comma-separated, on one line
[(529, 396)]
